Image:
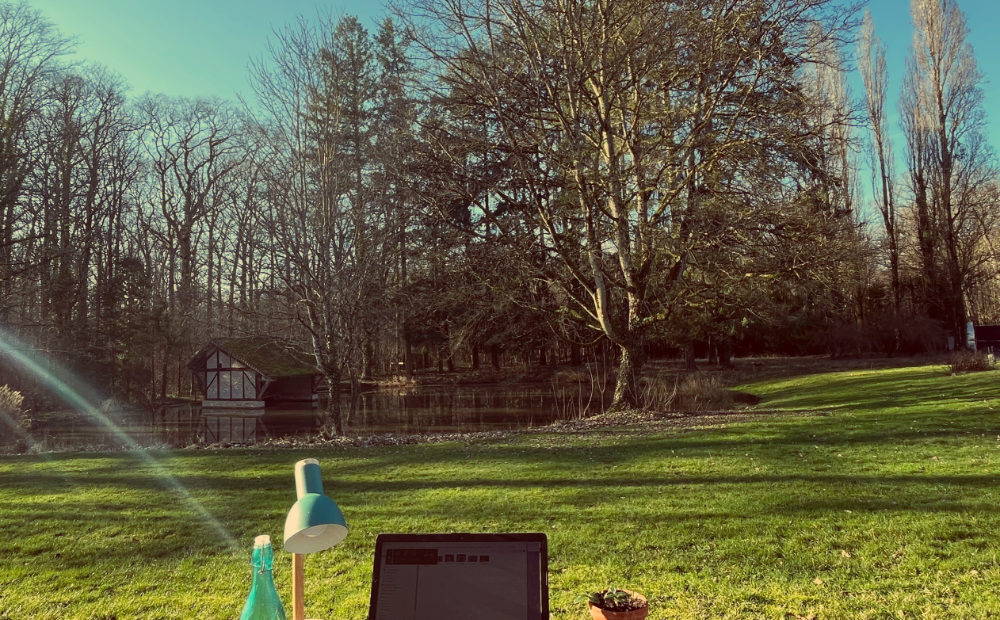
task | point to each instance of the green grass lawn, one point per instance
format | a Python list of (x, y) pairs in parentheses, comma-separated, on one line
[(869, 494)]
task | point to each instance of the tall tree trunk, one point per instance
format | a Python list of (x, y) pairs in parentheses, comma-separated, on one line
[(211, 275), (368, 356), (627, 381), (925, 242), (725, 347), (332, 414)]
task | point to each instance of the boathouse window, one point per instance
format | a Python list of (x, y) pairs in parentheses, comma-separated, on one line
[(228, 379)]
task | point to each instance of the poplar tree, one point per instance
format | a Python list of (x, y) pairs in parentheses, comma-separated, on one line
[(948, 160), (875, 77)]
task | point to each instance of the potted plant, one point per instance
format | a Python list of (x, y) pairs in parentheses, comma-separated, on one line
[(615, 604)]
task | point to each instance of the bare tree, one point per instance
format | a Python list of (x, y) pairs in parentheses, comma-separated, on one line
[(76, 183), (193, 148), (943, 121), (875, 76), (628, 129), (283, 83), (333, 233), (394, 151), (29, 50)]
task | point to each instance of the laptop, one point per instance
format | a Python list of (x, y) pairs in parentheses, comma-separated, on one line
[(460, 577)]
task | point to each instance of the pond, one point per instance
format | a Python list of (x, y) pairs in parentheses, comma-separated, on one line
[(408, 410), (445, 409)]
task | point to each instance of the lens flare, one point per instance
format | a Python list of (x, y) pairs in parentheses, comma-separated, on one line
[(79, 396)]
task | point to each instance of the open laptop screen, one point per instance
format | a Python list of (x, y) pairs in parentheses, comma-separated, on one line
[(460, 577)]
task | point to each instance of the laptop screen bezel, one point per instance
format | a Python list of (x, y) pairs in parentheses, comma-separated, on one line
[(528, 537)]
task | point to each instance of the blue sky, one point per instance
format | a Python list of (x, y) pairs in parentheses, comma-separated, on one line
[(201, 47), (190, 48), (196, 48), (893, 26)]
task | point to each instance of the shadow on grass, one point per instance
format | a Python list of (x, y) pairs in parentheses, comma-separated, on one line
[(774, 441), (126, 531), (270, 497)]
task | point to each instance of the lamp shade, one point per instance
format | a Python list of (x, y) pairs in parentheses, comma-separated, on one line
[(315, 522)]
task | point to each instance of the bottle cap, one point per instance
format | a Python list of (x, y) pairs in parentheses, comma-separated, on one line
[(261, 541)]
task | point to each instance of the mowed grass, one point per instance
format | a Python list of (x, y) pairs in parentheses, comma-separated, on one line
[(867, 494)]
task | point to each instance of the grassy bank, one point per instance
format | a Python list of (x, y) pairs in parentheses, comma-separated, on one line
[(864, 494)]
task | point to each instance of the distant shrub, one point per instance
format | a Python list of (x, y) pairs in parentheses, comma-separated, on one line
[(971, 361), (848, 340), (692, 392), (888, 334), (13, 417), (919, 334)]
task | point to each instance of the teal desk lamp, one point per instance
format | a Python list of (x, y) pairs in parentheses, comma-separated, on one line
[(313, 524)]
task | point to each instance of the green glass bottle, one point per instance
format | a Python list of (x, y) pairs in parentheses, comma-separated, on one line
[(263, 603)]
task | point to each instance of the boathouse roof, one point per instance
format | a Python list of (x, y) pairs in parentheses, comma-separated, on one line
[(272, 358)]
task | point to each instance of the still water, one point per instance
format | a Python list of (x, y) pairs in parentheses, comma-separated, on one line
[(441, 410), (424, 409)]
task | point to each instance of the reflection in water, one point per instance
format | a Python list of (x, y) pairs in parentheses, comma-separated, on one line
[(426, 409), (436, 409)]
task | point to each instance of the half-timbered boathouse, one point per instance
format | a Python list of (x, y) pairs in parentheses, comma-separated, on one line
[(243, 378), (253, 373)]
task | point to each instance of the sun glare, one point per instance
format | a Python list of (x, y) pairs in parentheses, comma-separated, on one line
[(77, 395)]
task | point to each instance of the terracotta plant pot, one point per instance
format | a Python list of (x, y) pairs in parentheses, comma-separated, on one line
[(635, 614)]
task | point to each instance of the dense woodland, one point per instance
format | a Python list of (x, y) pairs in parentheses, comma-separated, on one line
[(488, 182)]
